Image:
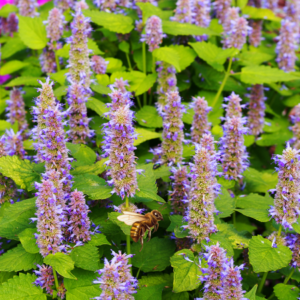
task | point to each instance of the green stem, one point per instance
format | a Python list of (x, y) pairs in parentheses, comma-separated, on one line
[(128, 237), (139, 101), (153, 64), (234, 218), (227, 74), (55, 279), (57, 61), (145, 69), (262, 282), (129, 63), (138, 273)]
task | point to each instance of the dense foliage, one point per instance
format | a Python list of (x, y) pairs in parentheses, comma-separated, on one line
[(190, 108)]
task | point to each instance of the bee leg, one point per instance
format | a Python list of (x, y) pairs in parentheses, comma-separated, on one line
[(142, 238), (149, 233), (156, 227)]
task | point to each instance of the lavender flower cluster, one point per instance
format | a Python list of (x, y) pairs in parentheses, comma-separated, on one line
[(295, 118)]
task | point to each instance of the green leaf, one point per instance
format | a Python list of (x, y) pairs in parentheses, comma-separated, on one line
[(170, 295), (145, 135), (251, 294), (24, 80), (83, 288), (62, 263), (98, 239), (263, 257), (114, 65), (86, 257), (12, 66), (224, 242), (4, 276), (82, 153), (260, 13), (16, 218), (176, 221), (149, 10), (286, 292), (103, 79), (176, 28), (32, 32), (124, 46), (100, 89), (154, 279), (60, 91), (28, 240), (59, 76), (224, 204), (114, 22), (92, 45), (254, 57), (149, 293), (93, 186), (20, 171), (148, 116), (7, 9), (186, 273), (64, 51), (4, 125), (265, 74), (95, 169), (186, 55), (146, 84), (212, 54), (20, 288), (113, 217), (98, 106), (17, 259), (292, 101), (168, 55), (155, 255), (13, 46), (275, 138)]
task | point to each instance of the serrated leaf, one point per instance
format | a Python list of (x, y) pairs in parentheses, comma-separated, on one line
[(12, 66), (251, 294), (32, 32), (115, 65), (260, 13), (20, 171), (7, 9), (145, 135), (64, 51), (155, 255), (124, 46), (98, 106), (95, 169), (275, 138), (286, 292), (114, 22), (4, 276), (168, 55), (93, 186), (28, 240), (224, 204), (16, 218), (4, 125), (25, 80), (86, 257), (82, 153), (263, 257), (100, 89), (21, 288), (186, 55), (17, 259), (146, 84), (113, 216), (149, 293), (98, 239), (265, 74), (186, 273), (59, 76), (170, 295), (148, 116), (249, 58), (92, 45), (149, 10), (83, 288), (154, 279), (224, 242), (62, 263)]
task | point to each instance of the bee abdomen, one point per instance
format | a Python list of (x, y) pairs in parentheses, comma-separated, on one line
[(134, 231)]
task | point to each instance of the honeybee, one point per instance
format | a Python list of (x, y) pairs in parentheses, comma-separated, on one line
[(141, 223)]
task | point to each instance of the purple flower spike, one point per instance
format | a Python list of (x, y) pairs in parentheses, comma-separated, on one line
[(116, 281), (154, 34), (270, 4), (286, 207), (207, 141), (183, 11), (106, 5), (233, 108), (47, 61), (98, 64), (286, 46), (256, 33), (221, 7), (293, 242), (172, 135), (55, 27), (256, 111), (11, 23), (81, 5), (45, 278), (166, 83), (292, 10), (64, 4), (200, 123), (119, 138), (13, 143), (16, 110), (295, 118), (79, 223), (27, 8), (204, 188), (202, 17)]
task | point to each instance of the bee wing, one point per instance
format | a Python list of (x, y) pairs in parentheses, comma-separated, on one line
[(130, 218)]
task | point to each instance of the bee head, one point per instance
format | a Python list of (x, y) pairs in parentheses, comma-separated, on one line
[(157, 215)]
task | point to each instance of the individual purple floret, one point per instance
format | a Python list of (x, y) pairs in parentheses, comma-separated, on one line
[(45, 278), (116, 281), (13, 143), (153, 33), (79, 78), (183, 11), (16, 110), (119, 138), (202, 17), (172, 134), (49, 218), (180, 190), (64, 4), (286, 46), (215, 273), (295, 118), (47, 61), (79, 223), (200, 123), (256, 111), (256, 33), (98, 64), (221, 7), (27, 8), (166, 83), (232, 287), (204, 188), (235, 30), (55, 27), (286, 207), (293, 242), (233, 154)]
